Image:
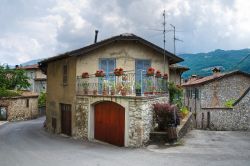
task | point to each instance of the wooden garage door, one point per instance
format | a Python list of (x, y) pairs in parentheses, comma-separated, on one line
[(109, 123), (66, 119)]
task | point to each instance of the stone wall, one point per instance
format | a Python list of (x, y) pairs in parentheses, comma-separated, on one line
[(138, 117), (236, 118), (141, 120), (216, 93), (18, 108)]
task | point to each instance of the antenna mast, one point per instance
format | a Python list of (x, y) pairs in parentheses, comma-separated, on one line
[(164, 38)]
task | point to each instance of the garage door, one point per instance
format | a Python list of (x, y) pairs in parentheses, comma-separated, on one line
[(109, 123)]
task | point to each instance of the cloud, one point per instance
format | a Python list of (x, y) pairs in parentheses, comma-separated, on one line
[(38, 29)]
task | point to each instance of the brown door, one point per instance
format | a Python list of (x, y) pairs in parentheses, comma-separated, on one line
[(109, 123), (66, 119)]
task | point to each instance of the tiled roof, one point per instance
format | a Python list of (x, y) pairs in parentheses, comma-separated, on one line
[(122, 37), (204, 80), (35, 66)]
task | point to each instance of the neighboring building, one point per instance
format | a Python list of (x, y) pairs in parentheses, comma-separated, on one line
[(175, 73), (116, 119), (37, 79), (206, 96), (20, 107)]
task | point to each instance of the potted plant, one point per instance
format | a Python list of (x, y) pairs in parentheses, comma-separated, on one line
[(158, 74), (124, 90), (149, 88), (85, 75), (118, 71), (150, 71), (94, 92), (165, 115), (138, 89), (104, 88), (112, 91), (85, 86), (99, 73)]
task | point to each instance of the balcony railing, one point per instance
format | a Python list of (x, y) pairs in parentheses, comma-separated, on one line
[(128, 84)]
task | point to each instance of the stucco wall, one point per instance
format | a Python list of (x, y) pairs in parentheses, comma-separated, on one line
[(57, 92), (216, 93), (175, 76), (125, 54), (138, 117), (18, 109)]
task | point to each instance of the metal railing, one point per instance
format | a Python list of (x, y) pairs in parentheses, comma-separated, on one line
[(128, 84)]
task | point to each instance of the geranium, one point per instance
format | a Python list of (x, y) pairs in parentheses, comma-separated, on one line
[(158, 74), (85, 75), (118, 71), (165, 76), (99, 73), (150, 71)]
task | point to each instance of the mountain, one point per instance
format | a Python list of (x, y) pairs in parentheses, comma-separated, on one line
[(32, 62), (227, 60)]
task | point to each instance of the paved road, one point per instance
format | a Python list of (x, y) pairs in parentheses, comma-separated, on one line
[(27, 144)]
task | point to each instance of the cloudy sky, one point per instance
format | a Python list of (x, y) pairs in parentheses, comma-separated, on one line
[(32, 29)]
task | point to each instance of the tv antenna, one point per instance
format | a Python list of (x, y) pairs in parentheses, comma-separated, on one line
[(175, 39)]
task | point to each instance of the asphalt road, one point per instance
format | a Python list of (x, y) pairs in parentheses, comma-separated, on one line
[(27, 144)]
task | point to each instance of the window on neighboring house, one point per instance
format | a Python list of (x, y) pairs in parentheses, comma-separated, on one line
[(197, 93), (27, 103), (65, 74)]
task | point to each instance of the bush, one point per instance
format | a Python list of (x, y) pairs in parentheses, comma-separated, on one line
[(184, 111), (165, 114), (8, 93), (175, 94), (42, 99)]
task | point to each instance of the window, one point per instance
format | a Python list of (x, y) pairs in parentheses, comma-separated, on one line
[(108, 66), (141, 66), (65, 74), (27, 103)]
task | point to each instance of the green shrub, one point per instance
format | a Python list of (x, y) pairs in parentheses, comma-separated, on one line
[(42, 99), (229, 103), (175, 94), (8, 93), (184, 111)]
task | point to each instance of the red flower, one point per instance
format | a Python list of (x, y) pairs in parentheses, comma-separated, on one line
[(165, 76), (99, 73), (150, 71), (85, 75), (118, 71)]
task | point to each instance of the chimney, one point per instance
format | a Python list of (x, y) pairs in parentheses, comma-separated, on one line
[(96, 34), (216, 70)]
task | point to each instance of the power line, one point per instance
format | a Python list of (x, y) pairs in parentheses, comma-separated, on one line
[(242, 60)]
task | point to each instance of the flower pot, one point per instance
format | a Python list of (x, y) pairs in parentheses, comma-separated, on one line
[(104, 92), (112, 92), (94, 92), (123, 92), (85, 91)]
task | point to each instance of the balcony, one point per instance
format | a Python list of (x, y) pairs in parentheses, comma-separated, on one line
[(127, 84)]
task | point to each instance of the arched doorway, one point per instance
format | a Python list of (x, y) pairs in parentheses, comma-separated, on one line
[(109, 122)]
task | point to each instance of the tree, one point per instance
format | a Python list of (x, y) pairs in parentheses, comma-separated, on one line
[(13, 78)]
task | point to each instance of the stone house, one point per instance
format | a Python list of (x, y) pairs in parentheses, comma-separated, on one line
[(19, 107), (206, 97), (36, 79), (122, 120)]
